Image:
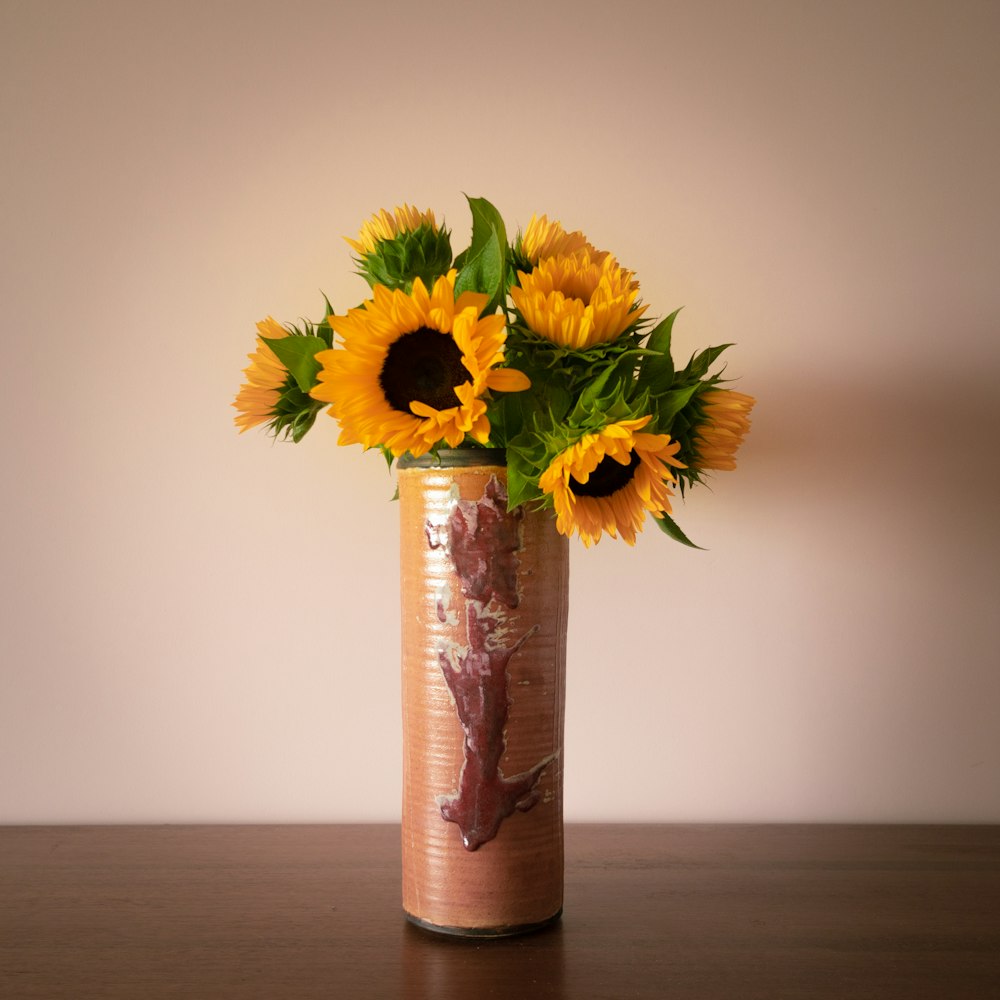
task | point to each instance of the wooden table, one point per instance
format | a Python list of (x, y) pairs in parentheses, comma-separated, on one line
[(669, 912)]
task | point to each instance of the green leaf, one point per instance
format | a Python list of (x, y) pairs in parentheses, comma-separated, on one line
[(507, 417), (556, 400), (521, 482), (699, 364), (669, 405), (484, 264), (669, 527), (657, 370), (301, 424), (591, 395), (298, 355), (659, 336), (483, 272)]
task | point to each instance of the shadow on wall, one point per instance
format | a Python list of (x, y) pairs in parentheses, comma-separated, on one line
[(873, 508), (922, 441)]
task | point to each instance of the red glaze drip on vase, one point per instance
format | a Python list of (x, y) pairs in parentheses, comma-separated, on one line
[(483, 539), (485, 798)]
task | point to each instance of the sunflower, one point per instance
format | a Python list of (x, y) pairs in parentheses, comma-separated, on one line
[(725, 423), (387, 226), (548, 239), (607, 481), (578, 301), (266, 377), (414, 367)]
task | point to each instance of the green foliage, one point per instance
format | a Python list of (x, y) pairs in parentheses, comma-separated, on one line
[(508, 416), (548, 363), (522, 478), (685, 423), (298, 355), (424, 253), (656, 371), (484, 264), (518, 260), (697, 367), (679, 412), (667, 406), (669, 527), (294, 413)]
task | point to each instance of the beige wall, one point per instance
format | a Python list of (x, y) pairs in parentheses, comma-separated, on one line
[(201, 626)]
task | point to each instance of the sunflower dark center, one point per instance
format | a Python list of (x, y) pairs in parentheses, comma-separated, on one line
[(609, 477), (422, 366)]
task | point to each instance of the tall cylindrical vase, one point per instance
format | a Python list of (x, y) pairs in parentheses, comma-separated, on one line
[(484, 609)]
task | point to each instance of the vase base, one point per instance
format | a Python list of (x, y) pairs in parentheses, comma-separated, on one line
[(505, 930)]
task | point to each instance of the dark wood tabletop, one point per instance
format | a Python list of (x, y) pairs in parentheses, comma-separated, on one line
[(669, 912)]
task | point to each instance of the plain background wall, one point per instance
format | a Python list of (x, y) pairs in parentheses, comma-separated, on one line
[(202, 626)]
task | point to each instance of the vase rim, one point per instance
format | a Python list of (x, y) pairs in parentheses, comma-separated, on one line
[(452, 458)]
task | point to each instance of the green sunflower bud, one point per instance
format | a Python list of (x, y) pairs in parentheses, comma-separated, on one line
[(424, 253)]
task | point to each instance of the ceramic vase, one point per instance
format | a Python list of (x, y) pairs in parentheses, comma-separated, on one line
[(484, 611)]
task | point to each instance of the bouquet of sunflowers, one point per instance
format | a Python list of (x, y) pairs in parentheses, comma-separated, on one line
[(539, 346)]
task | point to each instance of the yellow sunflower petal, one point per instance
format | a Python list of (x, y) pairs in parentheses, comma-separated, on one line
[(507, 380), (726, 423), (388, 225), (542, 238), (265, 378), (577, 301)]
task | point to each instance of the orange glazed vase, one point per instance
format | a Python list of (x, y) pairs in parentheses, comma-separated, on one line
[(484, 609)]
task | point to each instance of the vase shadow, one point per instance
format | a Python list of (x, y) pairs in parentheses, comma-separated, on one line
[(443, 966)]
